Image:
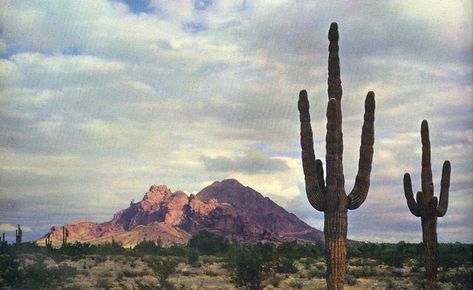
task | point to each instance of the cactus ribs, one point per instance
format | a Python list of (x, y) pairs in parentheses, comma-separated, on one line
[(329, 196), (427, 207)]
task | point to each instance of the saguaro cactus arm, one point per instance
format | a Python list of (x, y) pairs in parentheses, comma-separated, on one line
[(334, 82), (444, 189), (313, 178), (320, 174), (426, 174), (411, 203), (335, 91), (331, 146), (362, 183)]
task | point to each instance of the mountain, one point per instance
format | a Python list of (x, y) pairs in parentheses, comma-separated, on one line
[(226, 208)]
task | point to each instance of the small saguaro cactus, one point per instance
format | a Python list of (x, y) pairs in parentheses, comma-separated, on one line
[(426, 206), (3, 242), (48, 242), (329, 196), (65, 235), (19, 236)]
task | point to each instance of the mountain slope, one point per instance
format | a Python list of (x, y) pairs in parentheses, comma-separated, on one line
[(271, 219), (226, 208)]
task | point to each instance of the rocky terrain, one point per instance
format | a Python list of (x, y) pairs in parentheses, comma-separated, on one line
[(226, 208)]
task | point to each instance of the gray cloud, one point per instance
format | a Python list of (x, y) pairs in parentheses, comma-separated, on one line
[(251, 161)]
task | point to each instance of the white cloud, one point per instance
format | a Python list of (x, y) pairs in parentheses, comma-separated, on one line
[(11, 228)]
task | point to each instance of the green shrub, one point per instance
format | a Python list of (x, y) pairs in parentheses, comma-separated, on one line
[(163, 267), (176, 251), (9, 273), (145, 286), (350, 280), (266, 251), (208, 243), (455, 254), (286, 266), (131, 273), (120, 274), (148, 247), (307, 262), (38, 275), (105, 283), (389, 284), (295, 250), (275, 281), (246, 266), (210, 273), (192, 256), (296, 283), (315, 273)]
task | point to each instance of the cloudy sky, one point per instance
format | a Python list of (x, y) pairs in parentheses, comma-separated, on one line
[(100, 99)]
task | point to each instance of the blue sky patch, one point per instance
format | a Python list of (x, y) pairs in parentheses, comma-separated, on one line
[(194, 27), (202, 4), (139, 6)]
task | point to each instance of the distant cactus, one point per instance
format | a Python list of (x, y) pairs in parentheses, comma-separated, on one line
[(65, 235), (48, 242), (427, 206), (3, 242), (19, 236), (330, 197)]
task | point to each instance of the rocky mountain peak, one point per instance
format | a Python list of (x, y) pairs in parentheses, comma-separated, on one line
[(157, 193), (227, 208), (229, 182), (233, 192)]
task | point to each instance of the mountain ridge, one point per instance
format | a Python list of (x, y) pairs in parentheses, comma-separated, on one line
[(226, 208)]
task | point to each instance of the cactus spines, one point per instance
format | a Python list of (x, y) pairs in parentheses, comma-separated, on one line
[(18, 236), (426, 206), (329, 195), (65, 235)]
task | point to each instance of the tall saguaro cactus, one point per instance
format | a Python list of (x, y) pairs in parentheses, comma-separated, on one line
[(329, 195), (426, 206)]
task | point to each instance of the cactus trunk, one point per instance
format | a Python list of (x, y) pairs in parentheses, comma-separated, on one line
[(335, 231), (429, 237), (329, 195), (427, 207), (65, 235)]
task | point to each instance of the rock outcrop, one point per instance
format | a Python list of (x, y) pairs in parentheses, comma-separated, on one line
[(226, 208)]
